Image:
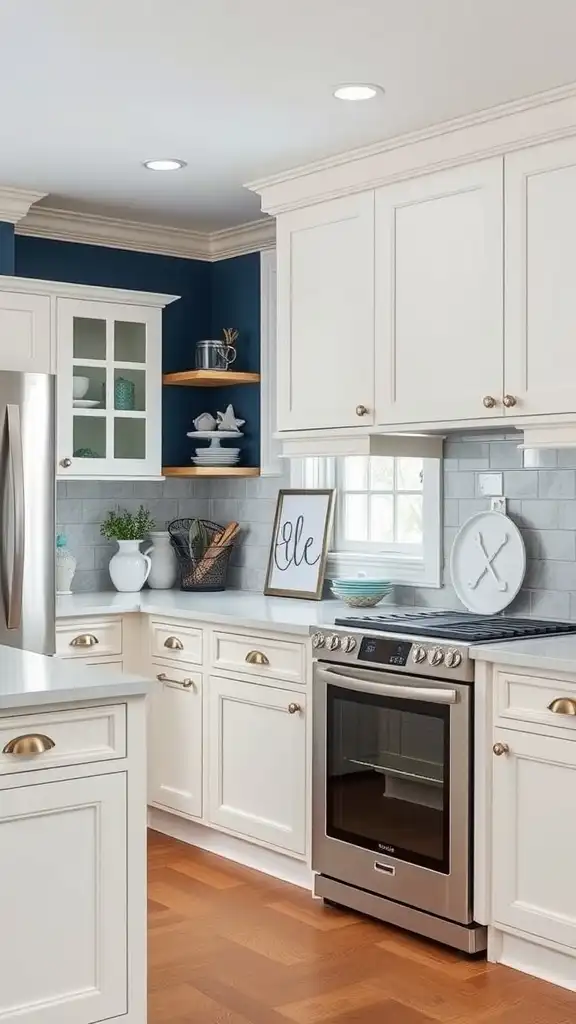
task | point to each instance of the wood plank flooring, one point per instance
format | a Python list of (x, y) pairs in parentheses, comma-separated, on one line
[(228, 945)]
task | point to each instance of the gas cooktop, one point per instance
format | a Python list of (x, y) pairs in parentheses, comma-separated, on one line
[(458, 626)]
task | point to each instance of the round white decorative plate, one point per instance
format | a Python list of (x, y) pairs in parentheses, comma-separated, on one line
[(488, 562)]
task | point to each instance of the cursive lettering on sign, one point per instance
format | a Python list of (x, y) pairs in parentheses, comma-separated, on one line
[(290, 548)]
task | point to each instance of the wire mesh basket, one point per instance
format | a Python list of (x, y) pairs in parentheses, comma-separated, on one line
[(202, 560)]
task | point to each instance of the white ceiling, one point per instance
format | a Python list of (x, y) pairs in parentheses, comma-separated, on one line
[(243, 88)]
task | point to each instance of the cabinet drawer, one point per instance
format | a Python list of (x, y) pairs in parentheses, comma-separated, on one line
[(527, 699), (179, 643), (260, 658), (91, 638), (80, 736)]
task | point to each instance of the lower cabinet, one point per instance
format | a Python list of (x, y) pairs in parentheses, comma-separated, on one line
[(534, 835), (257, 762), (175, 740), (63, 901)]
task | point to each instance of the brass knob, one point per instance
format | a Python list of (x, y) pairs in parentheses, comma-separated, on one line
[(563, 706), (257, 658), (186, 683), (293, 709), (65, 463), (509, 401), (29, 745), (84, 640), (361, 410), (501, 748), (174, 643), (488, 402)]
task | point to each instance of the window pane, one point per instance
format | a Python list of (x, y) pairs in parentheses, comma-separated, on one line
[(381, 473), (382, 518), (129, 438), (355, 525), (129, 342), (409, 473), (88, 338), (88, 437), (355, 473), (409, 518)]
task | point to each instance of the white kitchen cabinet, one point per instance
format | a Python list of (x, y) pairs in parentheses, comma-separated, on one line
[(257, 762), (534, 836), (439, 296), (325, 353), (63, 901), (175, 740), (540, 197), (25, 337)]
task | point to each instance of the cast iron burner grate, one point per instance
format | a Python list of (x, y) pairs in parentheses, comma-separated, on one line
[(459, 626)]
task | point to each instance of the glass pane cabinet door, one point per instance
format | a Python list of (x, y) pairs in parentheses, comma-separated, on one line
[(109, 388)]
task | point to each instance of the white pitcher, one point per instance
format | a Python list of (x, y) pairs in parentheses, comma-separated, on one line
[(129, 568), (164, 571)]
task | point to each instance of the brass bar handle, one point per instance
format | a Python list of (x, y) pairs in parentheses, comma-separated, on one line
[(29, 745), (563, 706), (173, 643), (500, 748), (84, 640), (293, 708), (186, 683), (509, 401), (257, 658)]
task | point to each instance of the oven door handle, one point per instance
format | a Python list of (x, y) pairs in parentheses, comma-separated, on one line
[(368, 682)]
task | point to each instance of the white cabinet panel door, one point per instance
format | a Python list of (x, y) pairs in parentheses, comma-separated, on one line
[(63, 902), (25, 332), (175, 740), (325, 354), (258, 762), (534, 836), (439, 313), (540, 193)]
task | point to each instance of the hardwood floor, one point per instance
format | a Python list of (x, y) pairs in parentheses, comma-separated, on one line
[(228, 945)]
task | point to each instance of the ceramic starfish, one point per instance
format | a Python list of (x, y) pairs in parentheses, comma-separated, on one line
[(228, 421)]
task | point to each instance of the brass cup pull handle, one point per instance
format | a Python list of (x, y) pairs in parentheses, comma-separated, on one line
[(186, 683), (488, 402), (293, 709), (361, 410), (84, 640), (563, 706), (500, 748), (174, 643), (509, 401), (257, 658), (29, 745)]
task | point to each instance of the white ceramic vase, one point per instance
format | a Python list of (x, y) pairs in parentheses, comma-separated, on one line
[(65, 568), (164, 571), (129, 568)]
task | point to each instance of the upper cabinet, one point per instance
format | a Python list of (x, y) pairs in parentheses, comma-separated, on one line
[(438, 296), (325, 364), (25, 343)]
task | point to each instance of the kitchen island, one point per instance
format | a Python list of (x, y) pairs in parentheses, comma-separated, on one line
[(72, 842)]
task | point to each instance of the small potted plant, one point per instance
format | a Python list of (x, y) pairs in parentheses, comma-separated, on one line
[(129, 567)]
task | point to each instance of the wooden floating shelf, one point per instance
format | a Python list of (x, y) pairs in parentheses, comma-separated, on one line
[(210, 378), (183, 471)]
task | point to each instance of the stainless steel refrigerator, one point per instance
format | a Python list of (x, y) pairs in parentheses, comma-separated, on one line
[(27, 511)]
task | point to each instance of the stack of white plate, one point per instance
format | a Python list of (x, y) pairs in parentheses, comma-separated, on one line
[(217, 457)]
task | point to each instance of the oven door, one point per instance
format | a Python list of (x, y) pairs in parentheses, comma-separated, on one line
[(391, 787)]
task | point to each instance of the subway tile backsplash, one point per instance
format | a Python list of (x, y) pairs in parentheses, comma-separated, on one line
[(540, 488)]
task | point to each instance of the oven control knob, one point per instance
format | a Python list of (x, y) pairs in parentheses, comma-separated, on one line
[(453, 659), (435, 656), (318, 640), (348, 644), (333, 642), (419, 655)]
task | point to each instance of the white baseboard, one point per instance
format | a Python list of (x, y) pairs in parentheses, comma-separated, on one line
[(224, 845), (553, 965)]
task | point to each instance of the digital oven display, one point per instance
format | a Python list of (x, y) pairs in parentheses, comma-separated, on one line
[(384, 651)]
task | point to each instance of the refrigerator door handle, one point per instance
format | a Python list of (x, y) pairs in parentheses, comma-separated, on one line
[(16, 456)]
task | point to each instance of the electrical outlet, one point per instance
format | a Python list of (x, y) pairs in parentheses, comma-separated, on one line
[(498, 505)]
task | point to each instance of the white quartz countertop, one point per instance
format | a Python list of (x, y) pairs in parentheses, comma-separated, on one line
[(232, 607), (548, 653), (28, 679)]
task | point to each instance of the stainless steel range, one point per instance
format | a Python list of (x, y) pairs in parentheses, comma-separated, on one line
[(393, 766)]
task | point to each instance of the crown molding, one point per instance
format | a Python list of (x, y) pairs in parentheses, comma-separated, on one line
[(97, 293), (16, 202), (115, 233)]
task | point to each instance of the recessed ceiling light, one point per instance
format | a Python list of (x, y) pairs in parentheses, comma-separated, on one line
[(361, 91), (164, 165)]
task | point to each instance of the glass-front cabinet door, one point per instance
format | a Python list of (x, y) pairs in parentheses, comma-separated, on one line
[(109, 389)]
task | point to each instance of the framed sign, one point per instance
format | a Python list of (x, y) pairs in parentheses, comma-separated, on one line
[(299, 547)]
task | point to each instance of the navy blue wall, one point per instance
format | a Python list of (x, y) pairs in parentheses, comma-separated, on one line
[(6, 248), (224, 294)]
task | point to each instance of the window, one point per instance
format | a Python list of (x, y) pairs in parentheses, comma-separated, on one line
[(387, 514)]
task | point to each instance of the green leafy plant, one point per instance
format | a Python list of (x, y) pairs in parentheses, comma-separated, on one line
[(120, 524)]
